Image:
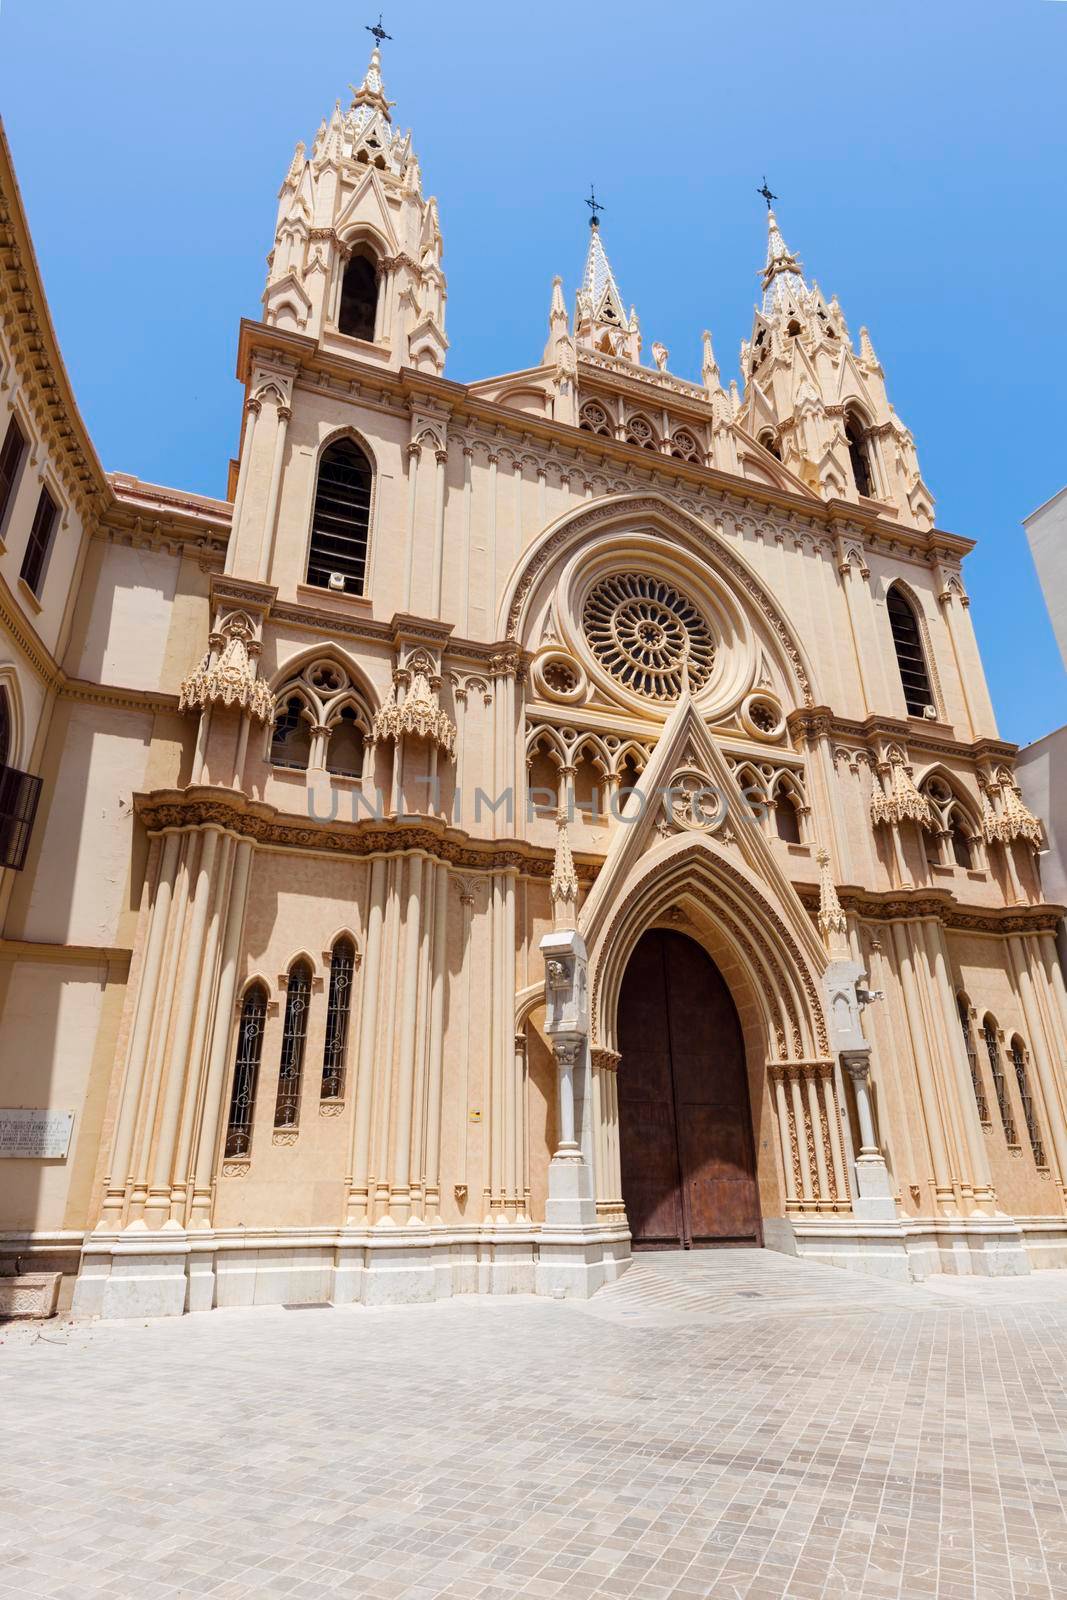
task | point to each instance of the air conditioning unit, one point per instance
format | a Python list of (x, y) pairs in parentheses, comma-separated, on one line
[(929, 712), (337, 580)]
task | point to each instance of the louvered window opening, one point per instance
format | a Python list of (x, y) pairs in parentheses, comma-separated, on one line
[(20, 793), (972, 1062), (1018, 1057), (39, 547), (294, 1037), (1000, 1086), (910, 658), (12, 455), (246, 1072), (341, 518), (335, 1050)]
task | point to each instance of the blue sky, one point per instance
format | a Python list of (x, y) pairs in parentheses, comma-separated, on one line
[(916, 146)]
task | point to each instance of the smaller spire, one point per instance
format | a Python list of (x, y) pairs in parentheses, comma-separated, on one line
[(783, 274), (709, 371), (832, 922), (563, 889)]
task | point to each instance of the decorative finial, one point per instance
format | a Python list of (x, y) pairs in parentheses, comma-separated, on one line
[(594, 205), (379, 34), (563, 888), (766, 193), (832, 922)]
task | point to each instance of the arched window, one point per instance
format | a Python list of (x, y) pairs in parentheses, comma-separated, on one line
[(5, 729), (962, 852), (1018, 1059), (770, 443), (639, 431), (972, 1058), (294, 1033), (855, 434), (335, 1051), (359, 296), (542, 781), (290, 744), (594, 419), (629, 778), (907, 642), (1000, 1087), (339, 523), (246, 1071), (786, 816), (685, 448), (344, 753)]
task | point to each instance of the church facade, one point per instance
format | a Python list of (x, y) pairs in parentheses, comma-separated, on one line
[(526, 821)]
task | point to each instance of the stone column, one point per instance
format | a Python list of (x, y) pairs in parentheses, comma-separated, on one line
[(140, 1035), (874, 1198), (270, 515), (358, 1198), (400, 1187), (981, 1176), (253, 408), (935, 1133), (219, 1064), (1046, 1069), (438, 982), (179, 1064)]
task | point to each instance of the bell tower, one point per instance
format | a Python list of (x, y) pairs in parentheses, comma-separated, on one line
[(819, 405), (356, 263)]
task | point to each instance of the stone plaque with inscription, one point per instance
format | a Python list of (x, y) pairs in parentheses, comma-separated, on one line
[(41, 1134)]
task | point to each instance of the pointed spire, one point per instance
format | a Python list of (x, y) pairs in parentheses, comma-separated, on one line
[(599, 299), (709, 371), (832, 922), (296, 166), (783, 276), (371, 91), (563, 889)]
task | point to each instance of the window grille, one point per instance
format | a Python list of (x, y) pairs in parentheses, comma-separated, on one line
[(12, 455), (1018, 1057), (294, 1035), (246, 1071), (342, 967), (19, 795), (1000, 1087), (339, 523), (972, 1061), (39, 547), (910, 659), (5, 729)]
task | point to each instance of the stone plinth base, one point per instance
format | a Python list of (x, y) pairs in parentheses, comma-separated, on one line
[(30, 1294), (139, 1273), (909, 1249)]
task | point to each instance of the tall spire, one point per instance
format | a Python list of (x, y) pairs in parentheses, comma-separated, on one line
[(783, 275), (563, 889)]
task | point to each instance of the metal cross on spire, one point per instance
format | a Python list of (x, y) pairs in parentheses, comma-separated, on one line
[(378, 31), (594, 205), (766, 193)]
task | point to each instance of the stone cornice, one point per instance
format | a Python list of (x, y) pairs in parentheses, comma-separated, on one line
[(274, 829), (405, 387), (914, 732), (35, 349), (149, 514), (901, 905)]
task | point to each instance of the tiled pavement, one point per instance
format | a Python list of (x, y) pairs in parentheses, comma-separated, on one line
[(722, 1424)]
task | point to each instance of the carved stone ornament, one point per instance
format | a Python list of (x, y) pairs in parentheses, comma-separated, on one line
[(231, 679), (415, 711), (901, 802), (1016, 820)]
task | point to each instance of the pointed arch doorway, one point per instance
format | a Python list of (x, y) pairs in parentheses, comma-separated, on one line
[(685, 1126)]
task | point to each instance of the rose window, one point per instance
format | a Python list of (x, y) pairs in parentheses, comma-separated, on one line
[(645, 633)]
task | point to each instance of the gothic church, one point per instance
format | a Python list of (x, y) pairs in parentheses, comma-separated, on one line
[(524, 822)]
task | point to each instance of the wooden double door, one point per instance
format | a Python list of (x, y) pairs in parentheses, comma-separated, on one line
[(685, 1128)]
